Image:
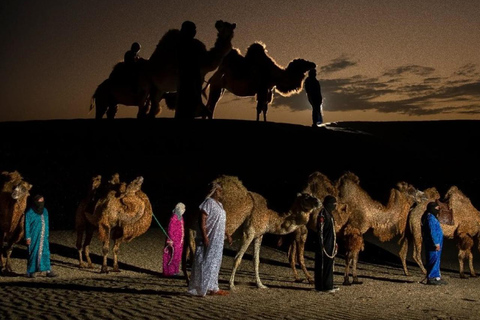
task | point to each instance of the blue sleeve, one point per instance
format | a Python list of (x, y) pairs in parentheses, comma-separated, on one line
[(435, 229)]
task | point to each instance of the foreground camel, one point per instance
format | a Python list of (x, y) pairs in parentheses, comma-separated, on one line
[(120, 212), (158, 76), (248, 212), (256, 74), (85, 222), (465, 227), (319, 186), (13, 202), (413, 233), (365, 213)]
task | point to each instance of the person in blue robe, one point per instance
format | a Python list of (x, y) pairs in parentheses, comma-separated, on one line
[(37, 238), (432, 234)]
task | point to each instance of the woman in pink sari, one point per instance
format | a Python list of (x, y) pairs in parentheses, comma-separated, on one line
[(172, 253)]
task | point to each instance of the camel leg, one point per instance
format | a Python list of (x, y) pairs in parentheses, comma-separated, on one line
[(301, 259), (100, 109), (78, 245), (346, 275), (86, 245), (116, 249), (214, 95), (104, 235), (417, 254), (292, 254), (112, 111), (403, 255), (2, 260), (464, 245), (256, 253), (188, 252), (354, 268), (247, 239)]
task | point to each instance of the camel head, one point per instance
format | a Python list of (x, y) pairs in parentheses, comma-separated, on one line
[(303, 206), (135, 185), (295, 74), (432, 194), (21, 190), (225, 29), (115, 179), (415, 195), (96, 182)]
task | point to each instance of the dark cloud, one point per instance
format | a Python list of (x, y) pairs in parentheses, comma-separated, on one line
[(433, 95), (338, 64), (468, 70), (410, 69)]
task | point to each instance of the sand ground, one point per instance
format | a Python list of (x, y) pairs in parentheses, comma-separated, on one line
[(140, 292)]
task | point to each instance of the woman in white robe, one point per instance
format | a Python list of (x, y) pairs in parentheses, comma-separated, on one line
[(209, 246)]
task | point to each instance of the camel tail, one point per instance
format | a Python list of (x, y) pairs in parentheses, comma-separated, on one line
[(92, 104)]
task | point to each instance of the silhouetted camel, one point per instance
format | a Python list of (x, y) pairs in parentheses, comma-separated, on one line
[(256, 74), (158, 76)]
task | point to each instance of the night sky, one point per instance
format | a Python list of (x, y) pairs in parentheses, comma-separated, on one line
[(377, 60)]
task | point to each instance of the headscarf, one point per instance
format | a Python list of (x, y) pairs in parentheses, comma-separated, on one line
[(214, 187), (329, 203), (432, 208), (179, 210), (38, 204)]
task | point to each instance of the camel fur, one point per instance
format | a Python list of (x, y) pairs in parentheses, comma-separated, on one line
[(256, 74), (13, 202), (387, 221), (157, 78)]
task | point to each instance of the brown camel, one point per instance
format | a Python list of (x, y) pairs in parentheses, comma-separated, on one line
[(157, 78), (465, 226), (365, 213), (319, 186), (248, 212), (256, 74), (85, 222), (13, 202), (122, 217), (459, 219), (414, 230)]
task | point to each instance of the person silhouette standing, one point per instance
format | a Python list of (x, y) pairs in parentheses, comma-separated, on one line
[(314, 95)]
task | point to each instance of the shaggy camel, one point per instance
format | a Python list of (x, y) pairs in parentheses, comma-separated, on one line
[(465, 226), (256, 74), (248, 212), (319, 186), (157, 78), (122, 217), (13, 202), (413, 233), (365, 213), (85, 222)]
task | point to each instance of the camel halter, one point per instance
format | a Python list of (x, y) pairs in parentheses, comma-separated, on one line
[(168, 245), (334, 252)]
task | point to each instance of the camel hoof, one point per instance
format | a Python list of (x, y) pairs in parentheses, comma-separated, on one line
[(356, 282), (262, 286), (462, 276), (116, 270), (473, 275), (298, 280), (346, 283), (104, 270), (311, 281)]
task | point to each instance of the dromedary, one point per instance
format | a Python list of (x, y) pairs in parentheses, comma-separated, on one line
[(157, 77), (319, 186), (248, 212), (365, 213), (256, 74), (13, 202)]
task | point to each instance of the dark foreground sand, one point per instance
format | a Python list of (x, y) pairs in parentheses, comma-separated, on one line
[(140, 292)]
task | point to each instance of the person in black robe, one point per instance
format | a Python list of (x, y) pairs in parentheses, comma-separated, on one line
[(326, 248)]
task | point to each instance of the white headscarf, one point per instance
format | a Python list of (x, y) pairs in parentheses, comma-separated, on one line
[(179, 210)]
